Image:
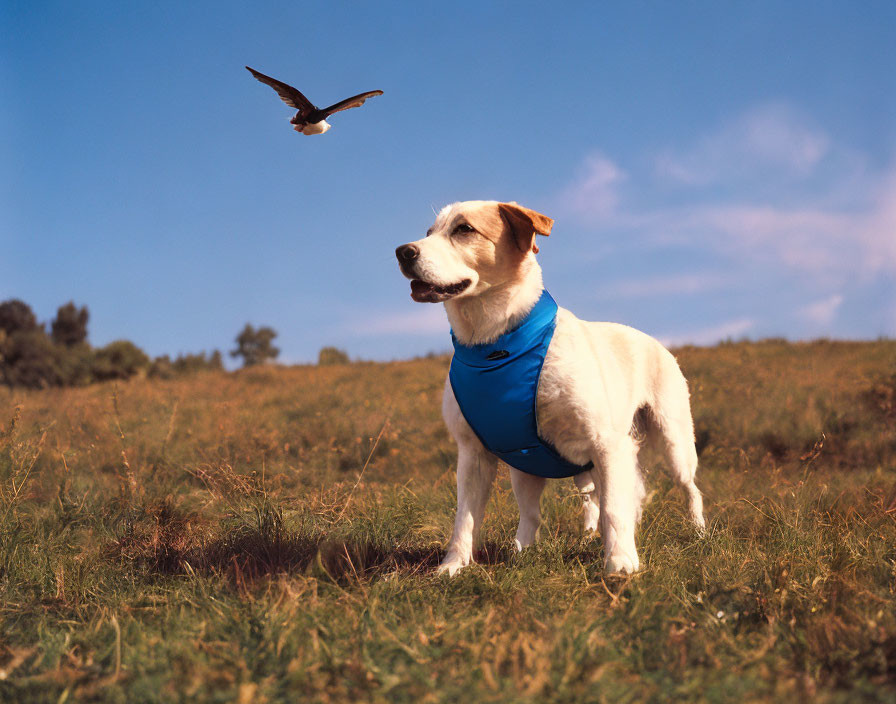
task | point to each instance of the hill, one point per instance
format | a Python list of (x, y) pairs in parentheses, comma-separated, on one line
[(271, 534)]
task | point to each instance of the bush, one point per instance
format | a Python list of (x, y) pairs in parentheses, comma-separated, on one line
[(119, 360), (76, 364), (332, 355), (164, 368)]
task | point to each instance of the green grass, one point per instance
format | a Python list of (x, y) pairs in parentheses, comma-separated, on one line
[(209, 539)]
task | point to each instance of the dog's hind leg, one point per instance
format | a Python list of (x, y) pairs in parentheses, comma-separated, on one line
[(682, 456), (476, 469), (527, 489), (585, 483), (672, 414)]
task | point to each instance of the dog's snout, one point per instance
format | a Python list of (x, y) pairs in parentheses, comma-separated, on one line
[(407, 253)]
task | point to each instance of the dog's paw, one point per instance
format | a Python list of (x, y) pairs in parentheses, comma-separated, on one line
[(592, 517), (452, 565), (518, 546), (699, 525), (621, 564), (525, 539)]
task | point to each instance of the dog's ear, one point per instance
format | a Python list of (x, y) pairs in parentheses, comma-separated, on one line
[(524, 224)]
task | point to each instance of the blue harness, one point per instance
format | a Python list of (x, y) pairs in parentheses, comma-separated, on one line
[(496, 387)]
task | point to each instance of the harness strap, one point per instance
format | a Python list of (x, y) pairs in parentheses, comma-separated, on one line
[(496, 387)]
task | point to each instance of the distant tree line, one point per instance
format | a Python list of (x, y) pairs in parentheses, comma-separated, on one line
[(34, 355)]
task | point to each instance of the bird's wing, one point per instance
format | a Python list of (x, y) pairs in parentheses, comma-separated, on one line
[(288, 94), (355, 101)]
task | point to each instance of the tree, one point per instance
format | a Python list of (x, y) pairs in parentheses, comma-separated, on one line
[(31, 359), (254, 346), (332, 355), (69, 328), (27, 356), (17, 316)]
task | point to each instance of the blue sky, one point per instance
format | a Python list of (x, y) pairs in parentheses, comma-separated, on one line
[(715, 169)]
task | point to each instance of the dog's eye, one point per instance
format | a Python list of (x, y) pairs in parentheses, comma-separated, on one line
[(463, 229)]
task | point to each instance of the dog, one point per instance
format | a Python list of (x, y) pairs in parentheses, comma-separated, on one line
[(599, 387)]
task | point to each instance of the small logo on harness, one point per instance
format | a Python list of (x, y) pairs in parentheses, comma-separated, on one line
[(498, 354)]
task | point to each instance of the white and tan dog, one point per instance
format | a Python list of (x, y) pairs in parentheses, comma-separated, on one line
[(599, 381)]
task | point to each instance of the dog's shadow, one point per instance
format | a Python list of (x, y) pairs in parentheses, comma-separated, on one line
[(251, 553)]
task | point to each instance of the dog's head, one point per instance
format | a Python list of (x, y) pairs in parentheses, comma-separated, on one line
[(471, 247)]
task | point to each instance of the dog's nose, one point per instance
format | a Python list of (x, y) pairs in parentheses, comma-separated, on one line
[(407, 252)]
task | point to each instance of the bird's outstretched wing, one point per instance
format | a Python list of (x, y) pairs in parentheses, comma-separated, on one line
[(288, 94), (355, 101)]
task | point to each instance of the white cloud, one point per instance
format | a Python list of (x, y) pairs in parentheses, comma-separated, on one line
[(822, 312), (838, 222), (594, 193), (859, 241), (709, 335), (769, 198), (771, 135)]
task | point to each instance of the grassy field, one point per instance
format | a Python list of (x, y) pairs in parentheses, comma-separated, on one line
[(271, 535)]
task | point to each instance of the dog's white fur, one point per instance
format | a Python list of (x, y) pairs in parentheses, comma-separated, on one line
[(596, 380)]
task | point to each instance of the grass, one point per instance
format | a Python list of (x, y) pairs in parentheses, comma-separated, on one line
[(271, 535)]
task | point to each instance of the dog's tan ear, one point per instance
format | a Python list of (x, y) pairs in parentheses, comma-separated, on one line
[(524, 224)]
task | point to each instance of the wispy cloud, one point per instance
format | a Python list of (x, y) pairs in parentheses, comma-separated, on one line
[(773, 135), (822, 312), (858, 241), (594, 192), (767, 194)]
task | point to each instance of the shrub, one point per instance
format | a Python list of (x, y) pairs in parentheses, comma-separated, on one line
[(332, 355), (164, 368), (119, 360), (76, 364)]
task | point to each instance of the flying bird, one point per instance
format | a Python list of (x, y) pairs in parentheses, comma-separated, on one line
[(310, 119)]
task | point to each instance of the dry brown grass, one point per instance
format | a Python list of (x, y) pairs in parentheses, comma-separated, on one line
[(271, 535)]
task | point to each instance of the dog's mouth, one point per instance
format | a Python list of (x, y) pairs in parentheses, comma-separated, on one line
[(425, 292)]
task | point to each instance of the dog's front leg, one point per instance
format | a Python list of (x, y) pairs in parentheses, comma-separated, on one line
[(621, 494), (476, 469)]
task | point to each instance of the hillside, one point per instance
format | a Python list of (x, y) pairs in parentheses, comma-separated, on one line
[(272, 532)]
